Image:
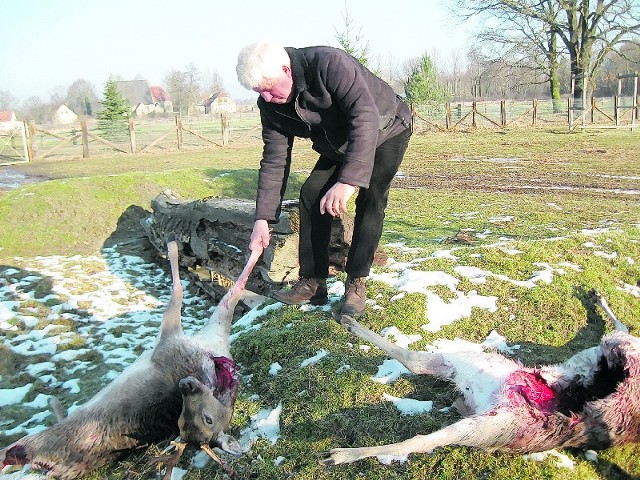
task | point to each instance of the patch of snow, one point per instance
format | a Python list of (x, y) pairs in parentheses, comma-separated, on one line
[(11, 396), (265, 424), (320, 354), (409, 406), (563, 460), (274, 368), (390, 371)]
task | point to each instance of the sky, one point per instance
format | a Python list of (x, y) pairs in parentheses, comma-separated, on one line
[(49, 44)]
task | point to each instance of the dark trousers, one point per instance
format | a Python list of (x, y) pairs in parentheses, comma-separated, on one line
[(315, 229)]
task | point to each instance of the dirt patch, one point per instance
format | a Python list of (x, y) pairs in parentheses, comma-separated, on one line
[(11, 178)]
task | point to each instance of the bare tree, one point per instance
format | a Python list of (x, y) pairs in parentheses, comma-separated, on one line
[(185, 88), (625, 60), (520, 35), (587, 30), (214, 83), (34, 108), (476, 70), (174, 84), (56, 97), (81, 97), (7, 100), (388, 69), (591, 30), (453, 78), (193, 86)]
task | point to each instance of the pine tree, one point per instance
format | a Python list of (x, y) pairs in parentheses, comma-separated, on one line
[(423, 87), (353, 43), (113, 119)]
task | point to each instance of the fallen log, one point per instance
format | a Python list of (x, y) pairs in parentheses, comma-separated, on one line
[(213, 235)]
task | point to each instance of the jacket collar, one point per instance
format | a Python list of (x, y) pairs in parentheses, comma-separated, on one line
[(299, 68)]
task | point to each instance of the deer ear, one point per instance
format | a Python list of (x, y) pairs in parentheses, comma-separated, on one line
[(190, 386), (229, 444)]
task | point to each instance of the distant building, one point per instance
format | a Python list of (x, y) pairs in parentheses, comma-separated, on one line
[(9, 124), (220, 102), (7, 116), (64, 116), (144, 98)]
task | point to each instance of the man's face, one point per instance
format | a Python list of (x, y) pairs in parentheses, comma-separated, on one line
[(277, 90)]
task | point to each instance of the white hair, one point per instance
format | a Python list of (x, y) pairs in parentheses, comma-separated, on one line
[(261, 60)]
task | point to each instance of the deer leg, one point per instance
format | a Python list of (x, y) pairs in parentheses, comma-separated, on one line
[(57, 409), (617, 324), (171, 321), (416, 362), (483, 431), (216, 331), (241, 282)]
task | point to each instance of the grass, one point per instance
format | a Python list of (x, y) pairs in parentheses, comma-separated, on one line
[(553, 196)]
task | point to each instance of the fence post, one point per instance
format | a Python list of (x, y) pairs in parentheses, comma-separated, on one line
[(85, 138), (447, 115), (634, 113), (33, 150), (179, 131), (570, 112), (24, 135), (503, 113), (616, 108), (534, 112), (414, 114), (473, 114), (224, 120), (132, 135), (593, 108), (27, 141)]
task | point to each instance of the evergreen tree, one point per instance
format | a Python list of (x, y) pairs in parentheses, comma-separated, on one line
[(351, 42), (113, 119), (422, 86)]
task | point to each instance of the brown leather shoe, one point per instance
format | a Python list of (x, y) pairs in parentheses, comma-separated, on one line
[(355, 297), (305, 290)]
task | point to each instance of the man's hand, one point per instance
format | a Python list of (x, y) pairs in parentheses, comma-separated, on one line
[(260, 237), (335, 200)]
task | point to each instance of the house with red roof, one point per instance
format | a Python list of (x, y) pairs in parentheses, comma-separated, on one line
[(7, 116), (144, 98)]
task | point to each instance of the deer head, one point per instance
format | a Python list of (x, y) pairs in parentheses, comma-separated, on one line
[(207, 406)]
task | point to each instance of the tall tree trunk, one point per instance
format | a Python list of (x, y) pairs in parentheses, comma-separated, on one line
[(554, 80), (554, 86)]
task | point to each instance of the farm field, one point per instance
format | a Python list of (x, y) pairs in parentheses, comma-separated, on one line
[(541, 216)]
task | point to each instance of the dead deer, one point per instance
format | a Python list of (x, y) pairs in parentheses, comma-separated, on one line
[(591, 401), (185, 384)]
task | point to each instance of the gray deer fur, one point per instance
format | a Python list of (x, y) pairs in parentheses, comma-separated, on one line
[(185, 385), (591, 401)]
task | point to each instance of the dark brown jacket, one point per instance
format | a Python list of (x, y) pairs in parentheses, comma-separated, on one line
[(343, 108)]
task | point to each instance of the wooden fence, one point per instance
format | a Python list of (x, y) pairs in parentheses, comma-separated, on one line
[(615, 112), (152, 135), (86, 140)]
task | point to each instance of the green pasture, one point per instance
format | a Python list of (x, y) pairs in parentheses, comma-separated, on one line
[(555, 197)]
